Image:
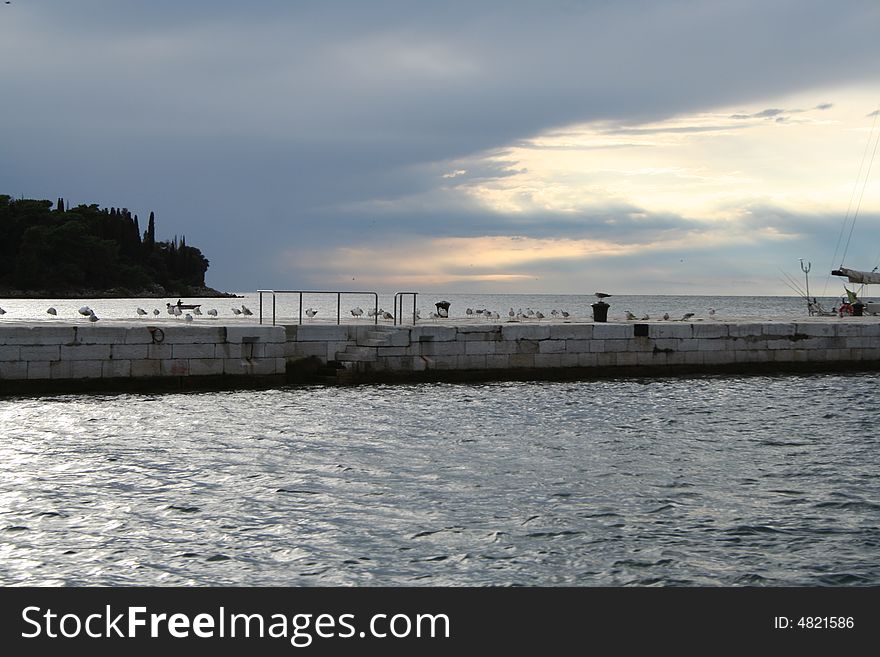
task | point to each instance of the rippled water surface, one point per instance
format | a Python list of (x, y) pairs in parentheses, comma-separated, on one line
[(698, 481)]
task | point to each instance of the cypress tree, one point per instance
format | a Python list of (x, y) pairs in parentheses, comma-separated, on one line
[(150, 235)]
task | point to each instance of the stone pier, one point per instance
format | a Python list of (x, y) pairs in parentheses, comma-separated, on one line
[(117, 356)]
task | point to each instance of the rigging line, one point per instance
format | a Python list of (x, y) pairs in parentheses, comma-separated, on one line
[(864, 185), (799, 292), (792, 283), (852, 195), (849, 205)]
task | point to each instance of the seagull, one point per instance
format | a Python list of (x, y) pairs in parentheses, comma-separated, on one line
[(601, 295), (52, 311), (93, 317), (85, 311), (141, 312), (2, 312), (645, 318), (630, 316), (711, 312), (237, 311), (357, 311), (156, 312), (311, 312), (539, 315), (686, 317), (188, 317), (213, 312), (666, 316), (469, 312), (511, 314), (245, 310), (167, 307), (566, 314), (387, 315), (196, 311)]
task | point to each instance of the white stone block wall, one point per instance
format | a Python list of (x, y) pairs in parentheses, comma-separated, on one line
[(116, 352), (605, 345), (122, 352)]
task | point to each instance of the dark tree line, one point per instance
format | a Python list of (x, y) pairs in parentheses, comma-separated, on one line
[(60, 250)]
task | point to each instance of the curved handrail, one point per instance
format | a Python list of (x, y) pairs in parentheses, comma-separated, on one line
[(398, 316), (338, 294)]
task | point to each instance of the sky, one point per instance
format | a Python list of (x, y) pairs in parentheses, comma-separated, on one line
[(664, 147)]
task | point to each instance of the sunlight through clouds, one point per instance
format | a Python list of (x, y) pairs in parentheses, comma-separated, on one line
[(705, 167)]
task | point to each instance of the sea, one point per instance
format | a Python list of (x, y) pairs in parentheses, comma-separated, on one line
[(719, 481), (332, 307)]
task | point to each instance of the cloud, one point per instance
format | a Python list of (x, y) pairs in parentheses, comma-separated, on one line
[(290, 127)]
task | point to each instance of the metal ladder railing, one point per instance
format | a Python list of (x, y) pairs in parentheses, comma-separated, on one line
[(398, 316), (302, 292)]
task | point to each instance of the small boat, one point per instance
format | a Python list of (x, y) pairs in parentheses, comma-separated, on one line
[(185, 306)]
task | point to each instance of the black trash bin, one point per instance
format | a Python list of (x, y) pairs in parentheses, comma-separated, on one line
[(600, 311), (858, 307)]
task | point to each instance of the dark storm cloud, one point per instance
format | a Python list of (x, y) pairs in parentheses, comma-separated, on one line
[(258, 127)]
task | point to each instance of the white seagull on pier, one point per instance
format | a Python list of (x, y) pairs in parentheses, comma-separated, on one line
[(2, 312), (85, 311), (630, 316), (93, 317), (245, 310), (156, 312), (196, 311), (141, 312), (311, 312), (51, 311), (236, 311), (601, 295), (213, 312)]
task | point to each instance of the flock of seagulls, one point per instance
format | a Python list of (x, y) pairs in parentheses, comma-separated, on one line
[(631, 317), (358, 312), (173, 310)]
